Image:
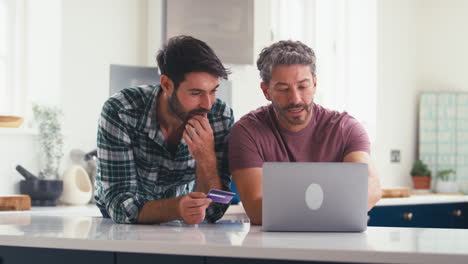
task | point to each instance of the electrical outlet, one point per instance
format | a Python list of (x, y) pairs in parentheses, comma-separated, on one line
[(395, 156)]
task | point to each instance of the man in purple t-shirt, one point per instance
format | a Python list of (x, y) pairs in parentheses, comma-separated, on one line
[(292, 128)]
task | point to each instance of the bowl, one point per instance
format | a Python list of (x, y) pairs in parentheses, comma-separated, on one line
[(42, 192), (11, 121)]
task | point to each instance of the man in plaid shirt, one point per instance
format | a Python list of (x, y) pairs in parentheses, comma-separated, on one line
[(162, 148)]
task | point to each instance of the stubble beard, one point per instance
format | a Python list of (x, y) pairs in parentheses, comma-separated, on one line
[(294, 121), (176, 108)]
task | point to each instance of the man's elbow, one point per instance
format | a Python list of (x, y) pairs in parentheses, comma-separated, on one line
[(255, 220), (254, 211)]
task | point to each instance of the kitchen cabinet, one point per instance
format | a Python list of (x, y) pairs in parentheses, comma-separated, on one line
[(449, 215), (131, 258), (20, 255), (212, 260)]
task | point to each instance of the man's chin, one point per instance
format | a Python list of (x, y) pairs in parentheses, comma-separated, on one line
[(297, 122)]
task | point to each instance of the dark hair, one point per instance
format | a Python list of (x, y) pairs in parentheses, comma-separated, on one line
[(185, 54), (285, 52)]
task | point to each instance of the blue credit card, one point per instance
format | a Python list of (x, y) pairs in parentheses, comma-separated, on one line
[(219, 196)]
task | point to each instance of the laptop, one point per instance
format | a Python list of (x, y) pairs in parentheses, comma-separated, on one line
[(315, 196)]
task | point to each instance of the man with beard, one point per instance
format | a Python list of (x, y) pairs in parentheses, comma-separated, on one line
[(292, 128), (162, 148)]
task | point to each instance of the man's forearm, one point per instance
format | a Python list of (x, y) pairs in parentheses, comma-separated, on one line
[(374, 189), (160, 211), (207, 175), (374, 193)]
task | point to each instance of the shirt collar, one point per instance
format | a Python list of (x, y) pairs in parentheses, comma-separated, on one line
[(151, 123), (150, 119)]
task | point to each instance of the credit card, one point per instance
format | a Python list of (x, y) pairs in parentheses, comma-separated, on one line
[(219, 196)]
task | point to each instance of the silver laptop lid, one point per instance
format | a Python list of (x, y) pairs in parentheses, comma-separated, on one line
[(309, 196)]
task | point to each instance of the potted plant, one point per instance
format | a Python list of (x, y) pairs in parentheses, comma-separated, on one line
[(446, 181), (421, 176), (46, 188)]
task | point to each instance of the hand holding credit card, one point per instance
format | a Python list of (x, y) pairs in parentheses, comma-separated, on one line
[(219, 196)]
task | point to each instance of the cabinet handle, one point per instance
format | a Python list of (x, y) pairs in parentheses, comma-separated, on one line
[(408, 216), (457, 212)]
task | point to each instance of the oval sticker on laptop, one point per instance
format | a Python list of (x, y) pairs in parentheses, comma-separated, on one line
[(314, 196)]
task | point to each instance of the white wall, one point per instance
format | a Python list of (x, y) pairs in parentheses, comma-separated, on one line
[(16, 148), (96, 34), (422, 47), (396, 111), (44, 45), (442, 54), (246, 93)]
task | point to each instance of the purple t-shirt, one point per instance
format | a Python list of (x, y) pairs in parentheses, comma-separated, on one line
[(257, 137)]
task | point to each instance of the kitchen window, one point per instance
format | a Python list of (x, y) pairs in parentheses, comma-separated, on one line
[(30, 54), (343, 34), (11, 44), (4, 50)]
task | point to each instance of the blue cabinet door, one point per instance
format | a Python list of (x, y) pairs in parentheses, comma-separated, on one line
[(459, 216), (396, 216), (452, 215)]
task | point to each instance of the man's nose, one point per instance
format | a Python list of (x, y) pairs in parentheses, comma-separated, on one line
[(294, 96), (206, 102)]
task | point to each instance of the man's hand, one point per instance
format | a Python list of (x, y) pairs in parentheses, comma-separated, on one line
[(200, 140), (191, 207)]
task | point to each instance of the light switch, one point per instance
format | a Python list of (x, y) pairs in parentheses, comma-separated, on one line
[(395, 156)]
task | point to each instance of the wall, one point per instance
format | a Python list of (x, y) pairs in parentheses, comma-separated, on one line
[(96, 34), (16, 148), (246, 93), (396, 95), (422, 47), (442, 53)]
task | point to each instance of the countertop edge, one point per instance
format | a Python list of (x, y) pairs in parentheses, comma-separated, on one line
[(338, 255)]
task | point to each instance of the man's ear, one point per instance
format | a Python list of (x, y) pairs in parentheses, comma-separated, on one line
[(166, 84), (264, 87), (314, 88)]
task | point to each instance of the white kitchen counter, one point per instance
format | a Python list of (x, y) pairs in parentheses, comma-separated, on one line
[(424, 199), (82, 228)]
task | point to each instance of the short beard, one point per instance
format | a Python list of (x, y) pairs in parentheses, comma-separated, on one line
[(176, 108), (295, 121)]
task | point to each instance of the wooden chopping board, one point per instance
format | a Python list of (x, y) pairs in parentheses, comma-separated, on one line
[(15, 202), (398, 192)]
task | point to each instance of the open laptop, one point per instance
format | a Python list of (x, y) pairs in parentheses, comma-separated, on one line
[(314, 196)]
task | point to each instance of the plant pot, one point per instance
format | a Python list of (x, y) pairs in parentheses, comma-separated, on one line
[(421, 182), (42, 192), (446, 187)]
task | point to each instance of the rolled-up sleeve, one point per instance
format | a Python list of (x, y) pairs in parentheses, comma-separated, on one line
[(116, 180), (215, 211)]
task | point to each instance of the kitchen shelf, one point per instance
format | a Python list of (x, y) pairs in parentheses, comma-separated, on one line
[(6, 131)]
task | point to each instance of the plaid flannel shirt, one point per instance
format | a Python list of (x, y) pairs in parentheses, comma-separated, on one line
[(134, 164)]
